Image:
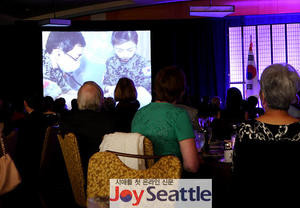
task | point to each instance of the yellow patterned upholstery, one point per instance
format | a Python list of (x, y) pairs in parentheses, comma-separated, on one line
[(69, 147), (106, 165), (148, 150)]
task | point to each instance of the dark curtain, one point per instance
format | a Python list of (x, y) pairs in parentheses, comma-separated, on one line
[(21, 58), (199, 48)]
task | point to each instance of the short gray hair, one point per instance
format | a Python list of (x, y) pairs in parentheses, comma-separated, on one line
[(90, 96), (279, 83)]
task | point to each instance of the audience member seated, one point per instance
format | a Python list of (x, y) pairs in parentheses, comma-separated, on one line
[(252, 110), (60, 107), (49, 116), (109, 104), (266, 151), (203, 109), (6, 113), (234, 111), (89, 124), (126, 95), (192, 112), (233, 114), (18, 113), (74, 105), (167, 126), (215, 107), (28, 150)]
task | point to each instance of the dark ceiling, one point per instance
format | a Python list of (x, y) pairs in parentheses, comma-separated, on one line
[(23, 9), (11, 10)]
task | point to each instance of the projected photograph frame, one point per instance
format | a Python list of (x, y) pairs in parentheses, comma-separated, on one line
[(72, 57)]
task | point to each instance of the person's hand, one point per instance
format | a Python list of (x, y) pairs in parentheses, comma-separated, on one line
[(109, 91)]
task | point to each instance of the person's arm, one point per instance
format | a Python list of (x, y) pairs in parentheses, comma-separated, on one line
[(110, 77), (185, 134), (189, 155), (141, 71)]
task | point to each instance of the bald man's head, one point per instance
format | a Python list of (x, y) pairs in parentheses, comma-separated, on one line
[(90, 96)]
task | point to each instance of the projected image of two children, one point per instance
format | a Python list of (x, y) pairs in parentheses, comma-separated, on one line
[(71, 58)]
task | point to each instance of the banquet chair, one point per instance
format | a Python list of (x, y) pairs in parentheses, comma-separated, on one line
[(50, 145), (53, 176), (107, 165), (128, 142), (70, 150), (148, 150)]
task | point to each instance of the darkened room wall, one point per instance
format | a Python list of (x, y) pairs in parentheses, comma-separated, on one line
[(20, 61)]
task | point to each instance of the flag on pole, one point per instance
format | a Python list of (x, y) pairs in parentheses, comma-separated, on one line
[(252, 85)]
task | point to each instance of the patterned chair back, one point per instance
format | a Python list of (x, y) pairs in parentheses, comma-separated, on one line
[(70, 150), (148, 150), (106, 165)]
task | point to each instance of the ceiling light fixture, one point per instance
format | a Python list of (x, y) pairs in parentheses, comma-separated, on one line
[(55, 22), (211, 11), (52, 22)]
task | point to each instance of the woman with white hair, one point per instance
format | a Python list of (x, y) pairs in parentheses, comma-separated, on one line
[(267, 149)]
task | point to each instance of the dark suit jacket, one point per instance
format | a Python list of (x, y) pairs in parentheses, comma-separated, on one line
[(89, 128)]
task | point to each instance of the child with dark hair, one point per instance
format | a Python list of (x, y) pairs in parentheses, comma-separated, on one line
[(126, 63), (62, 56)]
